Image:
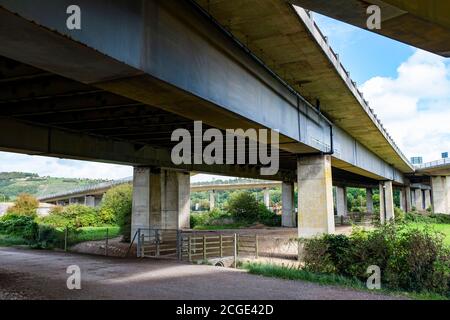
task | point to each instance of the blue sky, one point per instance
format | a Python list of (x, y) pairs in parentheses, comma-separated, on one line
[(409, 90), (363, 53)]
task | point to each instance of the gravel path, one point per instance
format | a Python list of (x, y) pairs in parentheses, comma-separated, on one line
[(31, 274)]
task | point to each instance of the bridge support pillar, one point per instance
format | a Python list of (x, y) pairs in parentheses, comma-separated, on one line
[(161, 199), (341, 201), (315, 196), (89, 201), (266, 197), (369, 200), (212, 199), (287, 202), (408, 202), (440, 187), (418, 199), (427, 194), (402, 199), (386, 201)]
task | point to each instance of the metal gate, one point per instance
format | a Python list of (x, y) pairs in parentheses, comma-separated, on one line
[(194, 246)]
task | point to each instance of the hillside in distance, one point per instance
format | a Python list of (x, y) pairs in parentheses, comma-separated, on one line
[(14, 183)]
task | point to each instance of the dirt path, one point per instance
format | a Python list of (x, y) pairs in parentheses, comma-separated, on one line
[(30, 274)]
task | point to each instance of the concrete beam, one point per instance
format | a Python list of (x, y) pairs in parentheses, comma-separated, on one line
[(22, 137), (288, 206), (315, 196)]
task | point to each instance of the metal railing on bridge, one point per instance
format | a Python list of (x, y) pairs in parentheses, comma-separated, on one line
[(436, 163)]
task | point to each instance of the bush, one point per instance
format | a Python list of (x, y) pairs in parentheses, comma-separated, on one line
[(399, 214), (433, 218), (25, 205), (268, 217), (242, 205), (19, 226), (73, 216), (410, 259), (210, 218), (117, 206), (49, 237)]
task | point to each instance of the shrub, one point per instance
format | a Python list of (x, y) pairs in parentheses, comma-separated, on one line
[(410, 259), (242, 205), (433, 218), (118, 201), (25, 205), (268, 217), (49, 237), (210, 218), (19, 226), (73, 216), (399, 214)]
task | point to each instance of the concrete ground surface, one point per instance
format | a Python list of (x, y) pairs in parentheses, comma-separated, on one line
[(32, 274)]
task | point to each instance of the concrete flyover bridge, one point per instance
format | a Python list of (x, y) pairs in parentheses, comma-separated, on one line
[(92, 195), (435, 176), (115, 89), (423, 24)]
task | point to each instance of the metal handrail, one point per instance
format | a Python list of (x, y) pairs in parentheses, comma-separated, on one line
[(436, 163)]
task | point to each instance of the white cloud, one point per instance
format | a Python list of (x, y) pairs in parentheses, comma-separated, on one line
[(415, 106), (54, 167), (45, 166)]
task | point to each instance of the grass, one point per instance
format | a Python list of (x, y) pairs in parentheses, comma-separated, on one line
[(7, 241), (275, 271), (83, 234), (92, 233), (440, 227)]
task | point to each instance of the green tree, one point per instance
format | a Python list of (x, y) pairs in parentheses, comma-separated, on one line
[(119, 201), (25, 205), (242, 205)]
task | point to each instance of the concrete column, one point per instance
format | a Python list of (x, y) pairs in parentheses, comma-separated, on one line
[(427, 199), (402, 199), (341, 201), (315, 196), (369, 200), (140, 217), (440, 188), (386, 201), (175, 199), (161, 199), (212, 199), (418, 200), (287, 202), (266, 197), (89, 201), (408, 201)]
